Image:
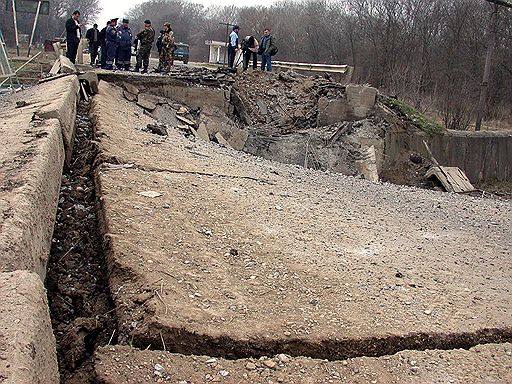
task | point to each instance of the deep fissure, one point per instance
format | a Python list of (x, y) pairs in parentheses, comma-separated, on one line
[(82, 312)]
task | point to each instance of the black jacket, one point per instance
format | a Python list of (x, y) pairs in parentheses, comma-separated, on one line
[(90, 36), (71, 29), (102, 36)]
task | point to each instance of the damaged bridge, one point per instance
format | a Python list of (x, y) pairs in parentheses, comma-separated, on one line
[(190, 239)]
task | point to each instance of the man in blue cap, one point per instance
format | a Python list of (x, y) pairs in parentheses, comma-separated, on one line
[(124, 51), (111, 43)]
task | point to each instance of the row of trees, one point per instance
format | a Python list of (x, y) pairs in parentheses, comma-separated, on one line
[(429, 53)]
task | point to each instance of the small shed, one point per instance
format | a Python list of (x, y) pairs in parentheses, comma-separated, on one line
[(218, 52)]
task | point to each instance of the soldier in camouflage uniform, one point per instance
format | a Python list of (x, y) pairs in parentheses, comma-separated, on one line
[(145, 38), (168, 48)]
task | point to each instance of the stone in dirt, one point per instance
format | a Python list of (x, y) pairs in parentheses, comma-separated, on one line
[(145, 103), (129, 87), (129, 96), (221, 140), (157, 129)]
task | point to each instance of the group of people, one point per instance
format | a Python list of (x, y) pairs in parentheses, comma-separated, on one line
[(115, 44), (250, 48)]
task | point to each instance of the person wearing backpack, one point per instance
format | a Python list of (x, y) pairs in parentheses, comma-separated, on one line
[(267, 49)]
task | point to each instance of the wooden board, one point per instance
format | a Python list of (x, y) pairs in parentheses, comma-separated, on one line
[(453, 179)]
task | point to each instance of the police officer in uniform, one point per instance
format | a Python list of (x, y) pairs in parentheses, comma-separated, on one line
[(124, 51), (111, 43), (146, 37)]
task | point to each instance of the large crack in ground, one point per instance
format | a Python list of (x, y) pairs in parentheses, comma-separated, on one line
[(80, 304)]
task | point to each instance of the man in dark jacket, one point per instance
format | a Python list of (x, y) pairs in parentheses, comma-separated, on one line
[(124, 51), (146, 37), (267, 50), (92, 35), (73, 35), (112, 44), (103, 44)]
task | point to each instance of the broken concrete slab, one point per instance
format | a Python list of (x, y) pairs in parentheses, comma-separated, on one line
[(202, 132), (66, 66), (55, 68), (386, 293), (27, 344), (185, 120), (129, 87), (91, 79), (361, 98), (129, 96), (483, 364), (36, 138), (221, 140)]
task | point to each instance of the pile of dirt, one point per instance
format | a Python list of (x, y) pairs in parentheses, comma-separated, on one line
[(79, 298)]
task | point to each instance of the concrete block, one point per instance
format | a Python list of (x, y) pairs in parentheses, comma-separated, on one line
[(91, 78), (27, 344), (332, 111), (28, 199), (361, 99), (61, 105), (202, 133), (66, 66)]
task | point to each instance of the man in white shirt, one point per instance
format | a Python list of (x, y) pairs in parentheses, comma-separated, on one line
[(233, 46)]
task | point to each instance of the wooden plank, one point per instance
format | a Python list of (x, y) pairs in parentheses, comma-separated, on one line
[(453, 179)]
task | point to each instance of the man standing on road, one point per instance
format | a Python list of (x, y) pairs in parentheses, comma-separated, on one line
[(111, 44), (145, 38), (103, 44), (93, 37), (267, 50), (233, 46), (168, 48), (73, 35), (124, 51)]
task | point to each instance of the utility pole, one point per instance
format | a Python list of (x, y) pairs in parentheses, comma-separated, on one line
[(491, 44)]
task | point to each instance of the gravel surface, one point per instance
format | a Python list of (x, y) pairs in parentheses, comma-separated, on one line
[(483, 364)]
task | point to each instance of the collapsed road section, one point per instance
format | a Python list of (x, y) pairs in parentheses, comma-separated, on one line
[(215, 252), (178, 258)]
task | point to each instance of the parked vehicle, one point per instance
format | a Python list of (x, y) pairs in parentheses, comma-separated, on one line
[(182, 52)]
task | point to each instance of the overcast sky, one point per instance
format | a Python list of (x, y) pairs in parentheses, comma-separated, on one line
[(119, 8)]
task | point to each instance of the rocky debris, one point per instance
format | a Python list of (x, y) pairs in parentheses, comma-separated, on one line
[(129, 87), (147, 101), (157, 129), (62, 65), (129, 96)]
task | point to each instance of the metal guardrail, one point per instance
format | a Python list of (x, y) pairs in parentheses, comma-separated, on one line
[(345, 71)]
